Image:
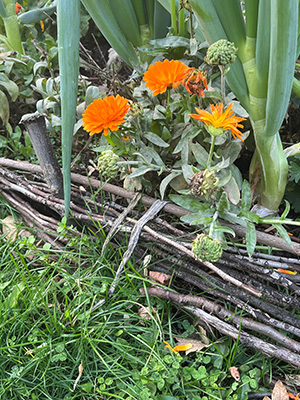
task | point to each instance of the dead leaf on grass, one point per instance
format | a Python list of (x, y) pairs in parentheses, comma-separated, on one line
[(279, 392), (10, 229), (146, 313), (160, 277), (234, 372)]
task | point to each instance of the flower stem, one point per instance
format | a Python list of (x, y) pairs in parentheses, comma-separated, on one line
[(223, 82), (211, 150)]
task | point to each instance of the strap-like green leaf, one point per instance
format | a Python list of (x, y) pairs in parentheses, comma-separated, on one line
[(124, 13), (68, 11), (105, 20), (283, 51)]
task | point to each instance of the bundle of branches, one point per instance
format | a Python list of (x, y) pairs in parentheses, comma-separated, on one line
[(260, 300)]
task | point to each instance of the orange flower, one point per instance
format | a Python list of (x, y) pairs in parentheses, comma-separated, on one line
[(18, 7), (219, 119), (195, 82), (176, 349), (105, 114), (164, 74)]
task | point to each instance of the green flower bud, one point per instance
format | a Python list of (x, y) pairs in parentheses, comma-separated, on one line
[(204, 183), (207, 248), (107, 164), (221, 52)]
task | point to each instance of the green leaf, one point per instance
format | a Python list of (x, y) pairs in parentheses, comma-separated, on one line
[(204, 218), (246, 196), (193, 132), (223, 204), (10, 86), (188, 203), (142, 171), (286, 210), (250, 238), (165, 182), (155, 139), (233, 218), (250, 216), (294, 172), (68, 55), (101, 12), (283, 233), (4, 108), (224, 229), (232, 191), (36, 15), (200, 154)]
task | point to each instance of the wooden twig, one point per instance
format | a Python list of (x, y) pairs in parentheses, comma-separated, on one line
[(264, 238), (224, 314), (134, 237), (120, 219), (208, 264), (245, 338)]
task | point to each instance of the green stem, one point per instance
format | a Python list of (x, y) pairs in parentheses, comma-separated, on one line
[(273, 169), (181, 24), (211, 150), (223, 82), (173, 16)]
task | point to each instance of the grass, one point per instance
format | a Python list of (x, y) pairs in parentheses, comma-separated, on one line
[(48, 329)]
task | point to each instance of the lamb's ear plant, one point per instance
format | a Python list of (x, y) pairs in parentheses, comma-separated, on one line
[(266, 36)]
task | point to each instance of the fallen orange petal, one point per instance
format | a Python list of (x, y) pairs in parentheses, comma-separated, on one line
[(286, 271)]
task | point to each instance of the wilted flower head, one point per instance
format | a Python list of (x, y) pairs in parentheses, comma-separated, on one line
[(221, 52), (107, 164), (196, 82), (164, 74), (18, 7), (203, 183), (207, 248), (105, 114), (218, 121)]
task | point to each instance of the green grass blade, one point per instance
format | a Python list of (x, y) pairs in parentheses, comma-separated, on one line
[(68, 44), (103, 17)]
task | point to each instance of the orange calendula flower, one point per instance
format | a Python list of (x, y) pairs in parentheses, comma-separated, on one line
[(176, 349), (217, 120), (164, 74), (18, 7), (195, 83), (105, 114)]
